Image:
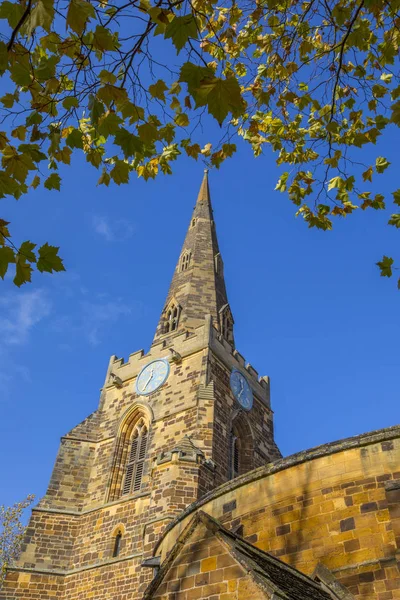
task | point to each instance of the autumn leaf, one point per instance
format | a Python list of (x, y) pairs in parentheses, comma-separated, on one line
[(385, 266), (180, 29)]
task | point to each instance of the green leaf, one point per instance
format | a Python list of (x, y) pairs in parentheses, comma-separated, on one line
[(281, 185), (109, 124), (367, 175), (26, 250), (148, 133), (158, 89), (381, 164), (35, 182), (396, 113), (42, 15), (129, 143), (74, 139), (395, 221), (182, 120), (223, 97), (20, 74), (12, 11), (70, 102), (120, 172), (6, 257), (53, 182), (180, 29), (396, 196), (104, 179), (78, 13), (8, 100), (49, 260), (3, 57), (385, 266), (193, 75), (96, 109), (23, 271), (104, 39)]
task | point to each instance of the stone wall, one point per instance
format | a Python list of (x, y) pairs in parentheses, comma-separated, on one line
[(337, 505)]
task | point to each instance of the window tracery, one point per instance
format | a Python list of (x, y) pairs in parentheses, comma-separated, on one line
[(130, 455), (171, 318)]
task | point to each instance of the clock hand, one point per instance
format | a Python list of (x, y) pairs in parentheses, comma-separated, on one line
[(149, 379)]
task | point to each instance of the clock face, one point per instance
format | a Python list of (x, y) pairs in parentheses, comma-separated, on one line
[(241, 389), (152, 376)]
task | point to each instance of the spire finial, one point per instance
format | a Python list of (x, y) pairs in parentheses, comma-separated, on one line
[(198, 287)]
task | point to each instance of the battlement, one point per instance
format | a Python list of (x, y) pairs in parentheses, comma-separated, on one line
[(186, 343)]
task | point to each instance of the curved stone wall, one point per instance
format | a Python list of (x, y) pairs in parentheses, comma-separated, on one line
[(338, 504)]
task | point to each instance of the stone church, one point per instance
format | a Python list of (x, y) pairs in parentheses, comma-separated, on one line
[(174, 488)]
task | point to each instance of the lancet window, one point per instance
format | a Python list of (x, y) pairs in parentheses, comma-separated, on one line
[(117, 543), (171, 318), (185, 261), (128, 470), (136, 457), (226, 323), (234, 456), (241, 455)]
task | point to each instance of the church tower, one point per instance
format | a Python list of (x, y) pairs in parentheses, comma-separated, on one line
[(172, 424)]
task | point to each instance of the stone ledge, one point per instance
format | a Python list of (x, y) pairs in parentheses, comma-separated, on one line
[(67, 572), (76, 513)]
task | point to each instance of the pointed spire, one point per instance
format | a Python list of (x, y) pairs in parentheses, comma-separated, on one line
[(198, 285)]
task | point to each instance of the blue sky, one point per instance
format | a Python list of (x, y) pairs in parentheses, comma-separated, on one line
[(311, 310)]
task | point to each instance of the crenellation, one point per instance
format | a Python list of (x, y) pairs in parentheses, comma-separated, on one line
[(240, 359), (251, 370)]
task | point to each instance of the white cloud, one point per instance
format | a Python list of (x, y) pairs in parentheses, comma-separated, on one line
[(93, 320), (19, 313), (112, 231), (99, 316)]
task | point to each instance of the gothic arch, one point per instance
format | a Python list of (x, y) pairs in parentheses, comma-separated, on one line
[(186, 259), (241, 445), (136, 421), (226, 323), (171, 316)]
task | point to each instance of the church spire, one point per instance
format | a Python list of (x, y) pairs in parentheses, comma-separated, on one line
[(198, 285)]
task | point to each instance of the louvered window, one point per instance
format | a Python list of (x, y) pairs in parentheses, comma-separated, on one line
[(234, 456), (136, 458), (172, 318)]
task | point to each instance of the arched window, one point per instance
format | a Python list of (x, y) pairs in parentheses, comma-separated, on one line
[(117, 543), (219, 265), (241, 455), (235, 456), (129, 461), (193, 222), (135, 464), (185, 261), (226, 323), (171, 318)]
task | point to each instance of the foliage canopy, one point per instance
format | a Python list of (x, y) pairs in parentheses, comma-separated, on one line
[(315, 80)]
